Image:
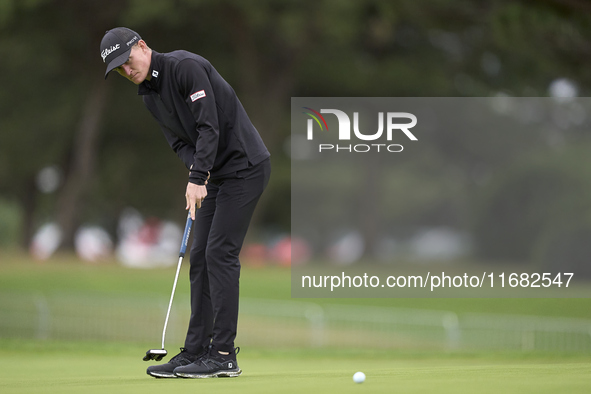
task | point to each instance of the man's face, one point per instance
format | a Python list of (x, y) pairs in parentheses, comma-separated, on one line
[(137, 66)]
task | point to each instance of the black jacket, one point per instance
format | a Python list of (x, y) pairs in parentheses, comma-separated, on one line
[(200, 116)]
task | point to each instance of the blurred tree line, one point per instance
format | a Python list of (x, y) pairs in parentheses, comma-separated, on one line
[(56, 109)]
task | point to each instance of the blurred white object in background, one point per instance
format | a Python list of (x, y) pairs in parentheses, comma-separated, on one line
[(46, 241), (347, 249), (147, 243), (49, 179), (563, 90), (93, 244), (439, 244)]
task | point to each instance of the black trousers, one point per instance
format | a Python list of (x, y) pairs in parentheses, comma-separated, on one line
[(218, 233)]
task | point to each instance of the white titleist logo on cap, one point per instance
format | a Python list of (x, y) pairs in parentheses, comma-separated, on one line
[(197, 95), (107, 51)]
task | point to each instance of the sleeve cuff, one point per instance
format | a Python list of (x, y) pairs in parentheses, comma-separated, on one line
[(197, 178)]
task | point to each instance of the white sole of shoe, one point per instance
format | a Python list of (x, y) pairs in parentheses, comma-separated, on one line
[(218, 374), (162, 375)]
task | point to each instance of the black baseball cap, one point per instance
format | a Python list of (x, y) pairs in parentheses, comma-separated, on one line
[(116, 46)]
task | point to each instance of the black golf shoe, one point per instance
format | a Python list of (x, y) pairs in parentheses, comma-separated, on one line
[(216, 365), (167, 370)]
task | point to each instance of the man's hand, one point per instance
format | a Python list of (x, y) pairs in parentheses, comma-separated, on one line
[(195, 195)]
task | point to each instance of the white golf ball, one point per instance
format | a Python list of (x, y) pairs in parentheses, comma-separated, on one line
[(359, 377)]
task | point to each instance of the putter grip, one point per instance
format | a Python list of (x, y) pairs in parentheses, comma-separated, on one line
[(186, 235)]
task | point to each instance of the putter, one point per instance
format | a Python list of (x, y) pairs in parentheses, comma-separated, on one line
[(158, 354)]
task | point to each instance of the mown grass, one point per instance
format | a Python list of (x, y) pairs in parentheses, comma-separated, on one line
[(67, 273), (47, 366), (70, 367)]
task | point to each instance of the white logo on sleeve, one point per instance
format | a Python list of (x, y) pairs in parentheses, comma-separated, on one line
[(197, 95)]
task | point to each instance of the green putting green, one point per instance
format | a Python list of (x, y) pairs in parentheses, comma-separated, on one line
[(75, 366), (67, 367)]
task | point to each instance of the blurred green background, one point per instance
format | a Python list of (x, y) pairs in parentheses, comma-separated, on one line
[(106, 154), (79, 151)]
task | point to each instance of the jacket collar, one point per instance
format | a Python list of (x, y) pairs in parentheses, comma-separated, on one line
[(153, 85)]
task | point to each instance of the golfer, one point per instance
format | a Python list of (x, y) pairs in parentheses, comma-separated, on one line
[(229, 167)]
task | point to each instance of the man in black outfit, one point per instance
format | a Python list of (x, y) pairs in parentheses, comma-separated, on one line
[(229, 167)]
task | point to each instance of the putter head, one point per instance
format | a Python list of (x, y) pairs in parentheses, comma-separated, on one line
[(155, 354)]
